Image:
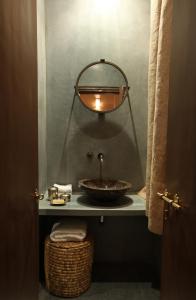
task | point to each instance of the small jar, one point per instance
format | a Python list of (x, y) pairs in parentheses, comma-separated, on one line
[(69, 196), (65, 197), (52, 193)]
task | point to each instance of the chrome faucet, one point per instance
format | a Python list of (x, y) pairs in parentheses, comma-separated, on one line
[(100, 157)]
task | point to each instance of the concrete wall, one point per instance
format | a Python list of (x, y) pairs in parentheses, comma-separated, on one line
[(78, 33)]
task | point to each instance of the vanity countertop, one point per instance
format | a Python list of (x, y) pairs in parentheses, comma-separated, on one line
[(131, 205)]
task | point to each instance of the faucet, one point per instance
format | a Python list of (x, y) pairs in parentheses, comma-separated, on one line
[(100, 157)]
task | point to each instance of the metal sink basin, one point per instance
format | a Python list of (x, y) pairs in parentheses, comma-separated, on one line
[(104, 190)]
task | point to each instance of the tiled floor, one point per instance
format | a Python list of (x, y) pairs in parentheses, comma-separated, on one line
[(113, 291)]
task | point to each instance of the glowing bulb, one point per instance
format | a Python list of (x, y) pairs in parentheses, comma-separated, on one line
[(97, 102)]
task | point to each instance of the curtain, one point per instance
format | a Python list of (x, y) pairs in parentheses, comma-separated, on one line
[(158, 94)]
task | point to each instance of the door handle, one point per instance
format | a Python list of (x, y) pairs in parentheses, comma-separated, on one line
[(172, 199), (38, 196)]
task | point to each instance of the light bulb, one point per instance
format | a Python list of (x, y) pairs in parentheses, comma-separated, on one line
[(97, 102)]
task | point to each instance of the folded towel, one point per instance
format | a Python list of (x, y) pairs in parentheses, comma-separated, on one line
[(64, 188), (69, 230)]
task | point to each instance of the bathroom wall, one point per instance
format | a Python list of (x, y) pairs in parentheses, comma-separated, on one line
[(78, 33)]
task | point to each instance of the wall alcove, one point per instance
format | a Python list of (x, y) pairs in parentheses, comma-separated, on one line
[(69, 38)]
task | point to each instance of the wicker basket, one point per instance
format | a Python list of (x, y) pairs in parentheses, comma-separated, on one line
[(68, 267)]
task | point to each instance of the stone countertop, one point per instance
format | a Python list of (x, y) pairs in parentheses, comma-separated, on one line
[(130, 205)]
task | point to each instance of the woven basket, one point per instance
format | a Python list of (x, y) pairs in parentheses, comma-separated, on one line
[(68, 267)]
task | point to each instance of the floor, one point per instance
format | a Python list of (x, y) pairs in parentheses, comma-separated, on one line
[(113, 291)]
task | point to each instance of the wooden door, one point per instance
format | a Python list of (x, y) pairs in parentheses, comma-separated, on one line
[(179, 239), (18, 151)]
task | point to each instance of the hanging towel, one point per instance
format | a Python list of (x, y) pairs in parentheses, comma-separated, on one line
[(69, 230), (158, 97), (64, 188)]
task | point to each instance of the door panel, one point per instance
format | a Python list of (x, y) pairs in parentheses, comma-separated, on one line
[(179, 243), (18, 151)]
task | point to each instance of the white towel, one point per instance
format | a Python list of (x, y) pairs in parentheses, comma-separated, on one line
[(64, 188), (69, 230)]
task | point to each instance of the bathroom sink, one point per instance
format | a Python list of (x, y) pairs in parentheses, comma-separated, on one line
[(104, 190)]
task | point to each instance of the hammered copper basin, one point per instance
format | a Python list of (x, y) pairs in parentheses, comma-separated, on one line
[(104, 190)]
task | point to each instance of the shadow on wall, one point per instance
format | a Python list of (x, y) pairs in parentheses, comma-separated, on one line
[(112, 134)]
